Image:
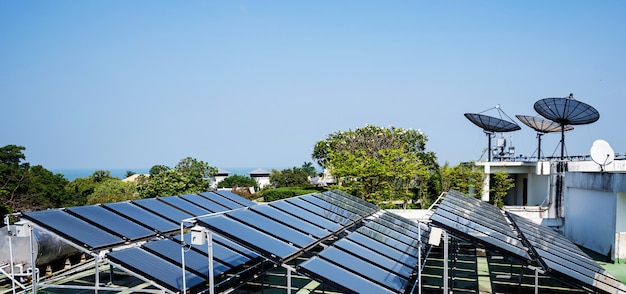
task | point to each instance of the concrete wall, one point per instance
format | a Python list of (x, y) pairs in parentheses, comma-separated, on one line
[(590, 219), (595, 211)]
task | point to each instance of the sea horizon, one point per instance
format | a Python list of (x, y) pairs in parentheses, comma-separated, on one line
[(73, 173)]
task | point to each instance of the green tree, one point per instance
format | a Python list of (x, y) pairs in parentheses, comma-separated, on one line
[(189, 176), (309, 169), (238, 181), (294, 177), (501, 183), (113, 190), (465, 177), (378, 164)]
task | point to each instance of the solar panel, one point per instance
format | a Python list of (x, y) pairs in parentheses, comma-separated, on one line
[(406, 258), (343, 221), (155, 268), (380, 260), (224, 251), (143, 216), (186, 206), (306, 215), (413, 242), (347, 204), (389, 241), (221, 200), (352, 198), (291, 221), (204, 202), (163, 209), (480, 221), (339, 277), (236, 198), (271, 227), (267, 245), (195, 261), (111, 222), (331, 207), (74, 229), (565, 257)]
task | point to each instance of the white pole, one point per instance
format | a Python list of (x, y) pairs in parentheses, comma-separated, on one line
[(97, 259), (182, 253), (536, 281), (289, 280), (210, 250), (7, 222), (35, 271), (445, 262), (419, 260)]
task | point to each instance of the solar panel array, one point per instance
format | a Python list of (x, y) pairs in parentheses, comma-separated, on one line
[(487, 224), (363, 248), (108, 226)]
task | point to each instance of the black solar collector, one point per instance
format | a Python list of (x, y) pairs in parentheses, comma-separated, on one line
[(74, 229), (204, 202), (195, 261), (161, 208), (111, 222), (221, 200), (339, 219), (155, 268), (235, 198), (306, 215), (143, 216), (185, 206), (291, 221), (271, 227)]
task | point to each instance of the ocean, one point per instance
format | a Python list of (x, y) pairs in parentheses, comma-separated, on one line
[(120, 173)]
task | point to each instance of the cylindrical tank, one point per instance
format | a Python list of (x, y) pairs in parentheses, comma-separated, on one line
[(47, 247)]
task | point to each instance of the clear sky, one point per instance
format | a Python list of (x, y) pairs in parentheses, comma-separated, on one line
[(125, 84)]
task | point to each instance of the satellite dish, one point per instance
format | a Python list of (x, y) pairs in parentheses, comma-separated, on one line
[(602, 153), (491, 124), (566, 111), (542, 126)]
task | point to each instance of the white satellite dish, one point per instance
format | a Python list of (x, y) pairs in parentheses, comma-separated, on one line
[(602, 153)]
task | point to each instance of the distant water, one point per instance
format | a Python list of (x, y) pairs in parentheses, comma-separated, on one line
[(120, 173)]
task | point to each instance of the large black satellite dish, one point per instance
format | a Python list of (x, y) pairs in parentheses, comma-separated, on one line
[(491, 124), (541, 126), (566, 111)]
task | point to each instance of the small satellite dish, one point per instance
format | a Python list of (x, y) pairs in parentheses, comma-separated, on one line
[(602, 153)]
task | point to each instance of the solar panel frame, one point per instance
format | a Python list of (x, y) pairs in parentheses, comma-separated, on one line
[(111, 222), (140, 215), (73, 229)]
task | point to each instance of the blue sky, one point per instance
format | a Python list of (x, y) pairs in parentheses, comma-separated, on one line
[(121, 84)]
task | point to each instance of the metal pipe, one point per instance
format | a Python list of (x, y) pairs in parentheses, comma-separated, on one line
[(7, 222), (210, 251)]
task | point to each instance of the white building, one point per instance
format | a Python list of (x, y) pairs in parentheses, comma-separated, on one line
[(261, 176)]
